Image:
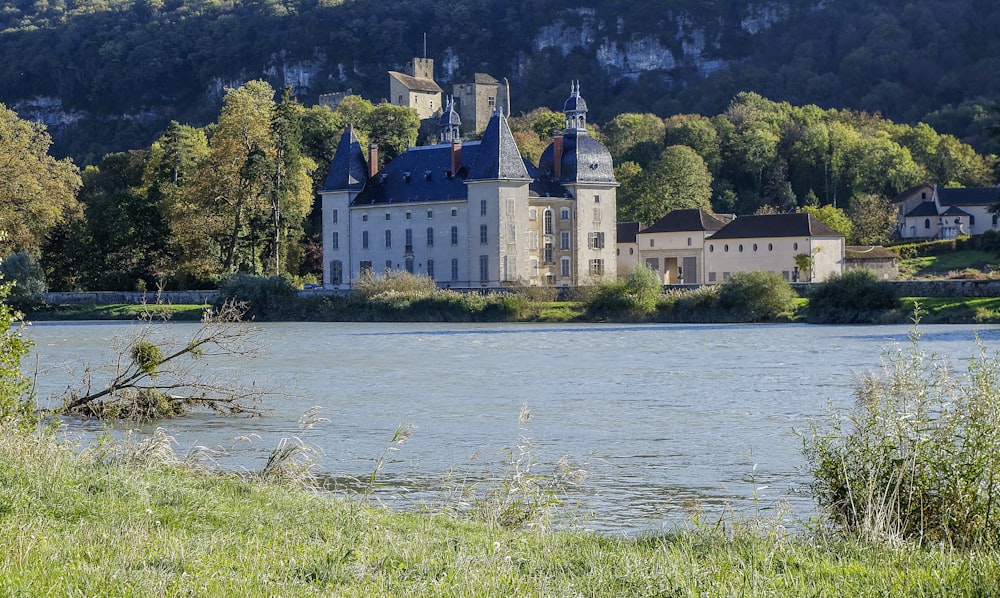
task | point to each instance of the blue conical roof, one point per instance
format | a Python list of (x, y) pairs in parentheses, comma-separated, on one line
[(498, 156), (349, 169)]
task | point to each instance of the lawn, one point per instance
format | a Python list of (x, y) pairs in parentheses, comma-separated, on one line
[(940, 266)]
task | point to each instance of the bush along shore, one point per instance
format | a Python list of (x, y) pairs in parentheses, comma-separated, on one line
[(852, 298)]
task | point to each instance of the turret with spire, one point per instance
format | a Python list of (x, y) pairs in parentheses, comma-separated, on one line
[(575, 110), (450, 122)]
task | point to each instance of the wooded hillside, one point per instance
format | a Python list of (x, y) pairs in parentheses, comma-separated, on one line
[(109, 75)]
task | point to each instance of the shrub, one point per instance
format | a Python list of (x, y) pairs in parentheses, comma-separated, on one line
[(756, 296), (268, 298), (852, 297), (634, 298), (15, 395), (28, 277), (403, 284), (918, 457)]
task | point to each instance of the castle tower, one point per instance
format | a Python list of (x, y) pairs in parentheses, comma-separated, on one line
[(575, 110), (347, 176)]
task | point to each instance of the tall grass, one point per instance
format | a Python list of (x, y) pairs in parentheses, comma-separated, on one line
[(918, 457)]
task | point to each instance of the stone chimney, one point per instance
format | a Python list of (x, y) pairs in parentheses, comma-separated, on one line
[(456, 156), (557, 154), (372, 159)]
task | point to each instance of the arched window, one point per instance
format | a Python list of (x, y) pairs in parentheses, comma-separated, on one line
[(548, 222), (927, 222)]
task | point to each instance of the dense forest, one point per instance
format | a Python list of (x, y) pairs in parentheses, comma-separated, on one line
[(109, 75)]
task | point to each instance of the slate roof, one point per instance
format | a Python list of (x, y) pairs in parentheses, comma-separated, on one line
[(416, 84), (626, 231), (349, 169), (954, 211), (975, 196), (775, 225), (869, 252), (584, 160), (686, 220), (419, 174), (924, 208), (498, 156)]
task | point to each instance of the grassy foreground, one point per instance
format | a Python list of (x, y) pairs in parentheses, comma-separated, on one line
[(131, 523)]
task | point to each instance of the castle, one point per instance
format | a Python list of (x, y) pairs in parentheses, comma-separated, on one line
[(474, 213)]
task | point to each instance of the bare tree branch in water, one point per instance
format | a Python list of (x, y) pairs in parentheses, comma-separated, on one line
[(156, 374)]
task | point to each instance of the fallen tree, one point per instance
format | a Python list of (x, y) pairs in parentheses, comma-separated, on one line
[(156, 374)]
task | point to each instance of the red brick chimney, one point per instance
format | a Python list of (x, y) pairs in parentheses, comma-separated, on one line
[(557, 154), (456, 156), (372, 159)]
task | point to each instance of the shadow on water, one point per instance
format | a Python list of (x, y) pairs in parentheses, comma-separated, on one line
[(522, 328)]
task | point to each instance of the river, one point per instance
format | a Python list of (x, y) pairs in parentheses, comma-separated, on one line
[(666, 419)]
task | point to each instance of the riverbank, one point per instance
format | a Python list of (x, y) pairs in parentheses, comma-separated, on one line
[(935, 310), (135, 521)]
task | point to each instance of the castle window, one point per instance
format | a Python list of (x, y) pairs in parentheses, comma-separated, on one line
[(454, 212), (334, 216), (597, 215), (484, 234), (388, 238), (388, 265), (454, 268), (532, 213), (482, 207), (564, 240), (689, 241), (364, 218), (366, 267), (533, 239), (335, 240), (548, 222), (511, 232), (597, 199), (430, 236), (364, 239), (597, 267), (564, 214), (491, 101), (409, 265), (484, 268), (388, 216), (409, 215), (430, 214), (336, 272), (511, 204), (595, 240), (454, 235), (400, 100), (430, 268), (927, 222), (795, 246), (547, 258), (409, 241), (564, 267)]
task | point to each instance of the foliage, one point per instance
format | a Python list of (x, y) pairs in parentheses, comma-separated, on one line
[(160, 375), (677, 179), (265, 298), (929, 248), (634, 297), (370, 286), (28, 278), (37, 192), (918, 458), (873, 220), (833, 217), (15, 391), (756, 296), (856, 296)]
